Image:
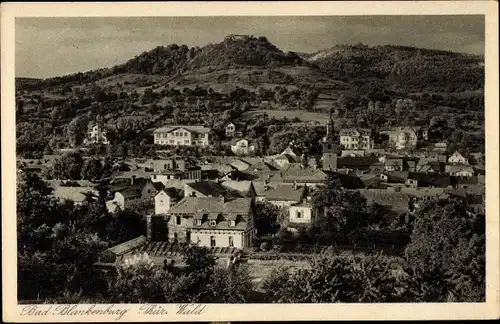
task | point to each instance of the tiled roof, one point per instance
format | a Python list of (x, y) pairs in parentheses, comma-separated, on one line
[(240, 186), (356, 162), (208, 188), (202, 205), (297, 172), (391, 162), (76, 194), (285, 193), (129, 174), (194, 129), (132, 192), (397, 201), (128, 246), (430, 179), (452, 168), (239, 164), (397, 176), (158, 185)]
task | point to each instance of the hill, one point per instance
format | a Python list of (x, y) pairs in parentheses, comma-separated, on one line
[(401, 68)]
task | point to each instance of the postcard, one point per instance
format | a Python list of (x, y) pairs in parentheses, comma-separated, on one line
[(249, 161)]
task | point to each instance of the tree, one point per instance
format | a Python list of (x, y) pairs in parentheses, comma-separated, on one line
[(68, 167), (448, 246), (340, 211), (36, 213), (91, 169), (77, 130), (330, 278)]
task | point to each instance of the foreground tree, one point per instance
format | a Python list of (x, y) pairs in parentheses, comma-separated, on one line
[(447, 252)]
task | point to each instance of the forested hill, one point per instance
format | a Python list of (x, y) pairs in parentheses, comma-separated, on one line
[(395, 68), (403, 68)]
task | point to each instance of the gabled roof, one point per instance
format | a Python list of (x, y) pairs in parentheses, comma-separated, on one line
[(128, 246), (204, 205), (159, 185), (208, 188), (240, 186), (191, 128), (297, 172), (452, 168), (430, 179), (285, 193), (397, 201), (76, 194), (394, 162), (361, 162), (132, 192)]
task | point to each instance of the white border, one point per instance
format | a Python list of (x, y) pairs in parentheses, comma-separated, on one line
[(254, 312)]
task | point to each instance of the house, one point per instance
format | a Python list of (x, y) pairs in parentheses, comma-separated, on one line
[(299, 174), (284, 195), (230, 129), (165, 199), (174, 168), (349, 163), (405, 137), (243, 188), (126, 193), (244, 146), (393, 164), (356, 138), (440, 147), (459, 170), (423, 179), (182, 135), (75, 194), (476, 158), (96, 134), (458, 158), (204, 189), (398, 202), (300, 214), (213, 222), (394, 177), (235, 130)]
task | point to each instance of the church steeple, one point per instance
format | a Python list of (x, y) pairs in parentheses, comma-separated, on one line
[(329, 147)]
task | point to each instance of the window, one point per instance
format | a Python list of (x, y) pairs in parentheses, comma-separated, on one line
[(178, 220), (212, 241), (198, 222), (213, 222), (171, 141), (232, 223), (186, 141), (175, 237), (231, 243), (299, 214)]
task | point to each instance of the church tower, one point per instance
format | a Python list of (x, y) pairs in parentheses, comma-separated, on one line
[(329, 148)]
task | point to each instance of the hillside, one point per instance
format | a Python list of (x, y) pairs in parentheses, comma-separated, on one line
[(401, 68), (250, 62)]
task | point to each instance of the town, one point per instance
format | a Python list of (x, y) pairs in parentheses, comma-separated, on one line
[(256, 178)]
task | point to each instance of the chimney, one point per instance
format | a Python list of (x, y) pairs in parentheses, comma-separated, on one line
[(222, 199), (295, 186), (132, 180)]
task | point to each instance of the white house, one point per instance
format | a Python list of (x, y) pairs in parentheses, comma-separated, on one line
[(356, 138), (301, 213), (458, 158), (164, 200), (243, 146), (96, 134), (181, 135)]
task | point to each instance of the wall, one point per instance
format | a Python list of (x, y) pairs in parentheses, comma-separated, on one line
[(306, 214), (202, 237), (180, 230), (162, 203)]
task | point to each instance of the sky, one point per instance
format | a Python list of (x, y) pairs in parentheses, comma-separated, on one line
[(47, 47)]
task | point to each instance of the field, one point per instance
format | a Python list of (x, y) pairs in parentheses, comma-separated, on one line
[(304, 116)]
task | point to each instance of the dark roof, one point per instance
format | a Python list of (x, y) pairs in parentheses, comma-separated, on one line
[(208, 188), (206, 205), (397, 201), (430, 179), (397, 176), (297, 172), (285, 193), (158, 185), (362, 162)]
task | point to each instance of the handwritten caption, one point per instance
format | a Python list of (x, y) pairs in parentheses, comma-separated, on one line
[(115, 311)]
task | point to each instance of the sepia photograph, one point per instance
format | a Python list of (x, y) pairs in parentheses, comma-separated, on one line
[(235, 159)]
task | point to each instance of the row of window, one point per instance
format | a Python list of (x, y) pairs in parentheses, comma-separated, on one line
[(198, 222)]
